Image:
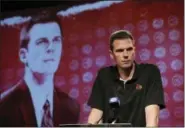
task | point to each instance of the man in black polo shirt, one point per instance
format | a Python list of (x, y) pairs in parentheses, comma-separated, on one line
[(137, 86)]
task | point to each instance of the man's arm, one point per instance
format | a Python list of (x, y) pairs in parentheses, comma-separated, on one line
[(95, 116), (154, 98), (152, 115), (96, 101)]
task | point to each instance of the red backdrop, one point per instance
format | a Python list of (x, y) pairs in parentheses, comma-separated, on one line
[(158, 31)]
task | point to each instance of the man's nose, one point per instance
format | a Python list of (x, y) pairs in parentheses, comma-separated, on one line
[(50, 47), (125, 53)]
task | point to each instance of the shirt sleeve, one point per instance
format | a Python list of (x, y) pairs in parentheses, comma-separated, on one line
[(155, 92), (96, 96)]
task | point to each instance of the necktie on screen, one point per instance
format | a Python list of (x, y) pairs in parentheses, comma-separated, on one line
[(47, 119)]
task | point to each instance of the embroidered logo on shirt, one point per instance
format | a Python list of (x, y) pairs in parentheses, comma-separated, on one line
[(138, 87)]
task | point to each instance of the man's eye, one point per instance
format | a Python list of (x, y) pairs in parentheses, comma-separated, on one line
[(119, 50), (129, 49), (57, 39), (41, 42)]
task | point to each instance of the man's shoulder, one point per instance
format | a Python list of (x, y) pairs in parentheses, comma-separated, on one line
[(111, 70), (11, 97), (107, 69), (63, 96), (60, 92), (148, 66), (71, 104)]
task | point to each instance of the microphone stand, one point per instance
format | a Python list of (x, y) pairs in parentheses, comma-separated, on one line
[(115, 118)]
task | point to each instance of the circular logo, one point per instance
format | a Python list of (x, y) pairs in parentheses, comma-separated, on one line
[(74, 51), (164, 114), (164, 81), (144, 39), (142, 25), (159, 37), (59, 81), (74, 79), (74, 93), (175, 49), (179, 112), (144, 54), (162, 66), (178, 96), (86, 49), (176, 64), (86, 108), (87, 77), (129, 27), (86, 91), (158, 23), (173, 20), (74, 65), (174, 35), (177, 80), (160, 52), (100, 32), (86, 63), (101, 61)]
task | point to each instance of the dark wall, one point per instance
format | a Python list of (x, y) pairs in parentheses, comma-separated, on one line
[(9, 6)]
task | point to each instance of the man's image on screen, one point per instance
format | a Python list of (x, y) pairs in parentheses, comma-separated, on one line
[(35, 100)]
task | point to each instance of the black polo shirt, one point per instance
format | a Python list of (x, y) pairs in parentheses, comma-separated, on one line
[(145, 88)]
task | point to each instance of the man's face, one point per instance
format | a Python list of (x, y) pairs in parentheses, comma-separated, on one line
[(123, 53), (44, 48)]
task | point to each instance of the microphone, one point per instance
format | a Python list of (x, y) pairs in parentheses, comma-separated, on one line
[(114, 103)]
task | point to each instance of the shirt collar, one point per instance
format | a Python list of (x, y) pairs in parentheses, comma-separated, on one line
[(116, 75), (40, 94)]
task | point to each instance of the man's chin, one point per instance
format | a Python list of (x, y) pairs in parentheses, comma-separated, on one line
[(49, 71), (52, 68), (126, 66)]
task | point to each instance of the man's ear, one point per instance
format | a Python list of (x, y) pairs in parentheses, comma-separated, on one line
[(111, 54), (23, 55), (134, 48), (134, 45)]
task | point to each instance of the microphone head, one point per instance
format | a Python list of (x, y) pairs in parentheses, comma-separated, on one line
[(114, 102)]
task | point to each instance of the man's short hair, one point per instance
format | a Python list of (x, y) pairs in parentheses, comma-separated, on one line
[(42, 17), (120, 34)]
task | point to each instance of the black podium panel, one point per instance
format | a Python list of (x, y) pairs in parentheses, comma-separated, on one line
[(97, 125)]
